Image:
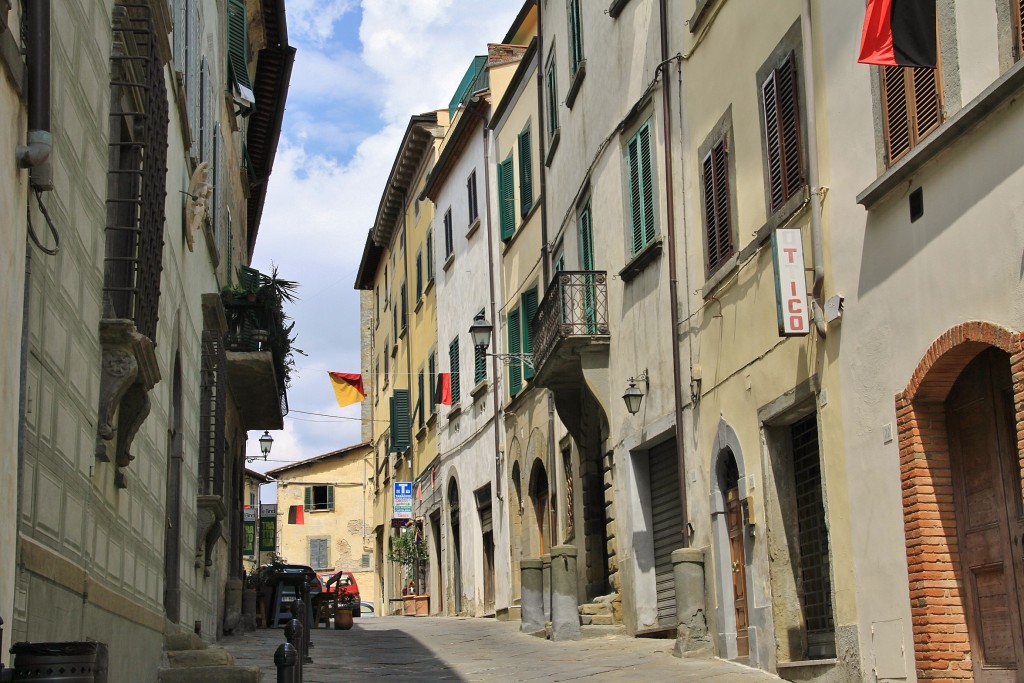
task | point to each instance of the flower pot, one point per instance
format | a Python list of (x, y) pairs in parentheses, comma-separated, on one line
[(342, 619)]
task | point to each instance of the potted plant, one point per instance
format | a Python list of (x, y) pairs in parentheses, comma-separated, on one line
[(409, 550)]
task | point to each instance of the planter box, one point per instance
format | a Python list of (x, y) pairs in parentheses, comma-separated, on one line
[(416, 605)]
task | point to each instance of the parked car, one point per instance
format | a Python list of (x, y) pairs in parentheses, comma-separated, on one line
[(342, 587)]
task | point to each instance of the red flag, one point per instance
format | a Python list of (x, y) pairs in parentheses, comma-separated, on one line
[(348, 387), (899, 33), (443, 393), (296, 514)]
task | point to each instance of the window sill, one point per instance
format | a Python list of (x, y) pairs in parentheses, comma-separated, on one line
[(642, 260), (419, 305), (473, 227), (454, 411), (807, 662), (430, 286), (421, 433), (432, 418), (394, 350), (974, 112), (716, 278), (556, 135), (481, 387), (615, 9), (577, 83), (448, 262), (698, 15), (313, 512), (401, 335)]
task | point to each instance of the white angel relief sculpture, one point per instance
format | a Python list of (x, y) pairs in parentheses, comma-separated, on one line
[(196, 202)]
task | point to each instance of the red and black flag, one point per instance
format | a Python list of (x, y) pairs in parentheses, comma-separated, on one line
[(899, 33), (443, 392)]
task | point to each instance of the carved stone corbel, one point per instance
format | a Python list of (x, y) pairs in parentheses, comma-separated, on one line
[(127, 373), (210, 511)]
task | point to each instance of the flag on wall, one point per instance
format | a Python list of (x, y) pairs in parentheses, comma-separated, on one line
[(443, 393), (899, 33), (348, 387), (296, 514)]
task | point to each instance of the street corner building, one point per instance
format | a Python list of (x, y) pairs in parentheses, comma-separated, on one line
[(144, 134), (733, 332)]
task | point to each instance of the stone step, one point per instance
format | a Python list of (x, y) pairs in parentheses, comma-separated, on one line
[(183, 641), (596, 608), (210, 674), (213, 656)]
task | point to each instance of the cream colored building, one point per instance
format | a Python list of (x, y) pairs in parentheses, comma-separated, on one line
[(334, 493), (130, 471)]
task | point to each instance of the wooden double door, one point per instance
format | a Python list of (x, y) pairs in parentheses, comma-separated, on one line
[(989, 514)]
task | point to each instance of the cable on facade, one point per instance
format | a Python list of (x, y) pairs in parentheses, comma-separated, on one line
[(49, 223)]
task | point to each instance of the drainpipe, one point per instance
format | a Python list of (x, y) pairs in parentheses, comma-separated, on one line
[(496, 389), (812, 169), (36, 153), (673, 290)]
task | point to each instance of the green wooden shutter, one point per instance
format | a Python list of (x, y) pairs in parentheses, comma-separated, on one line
[(586, 233), (529, 309), (552, 92), (432, 370), (238, 44), (330, 499), (453, 360), (479, 364), (308, 502), (420, 402), (405, 306), (525, 173), (640, 165), (430, 255), (400, 421), (647, 178), (506, 199), (575, 37), (515, 370), (419, 276)]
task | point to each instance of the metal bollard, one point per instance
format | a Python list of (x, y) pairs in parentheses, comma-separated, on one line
[(286, 659), (307, 622), (293, 634), (299, 612)]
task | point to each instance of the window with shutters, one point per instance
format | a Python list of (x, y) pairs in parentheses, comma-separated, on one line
[(387, 358), (911, 107), (575, 37), (453, 368), (449, 242), (718, 240), (506, 199), (320, 553), (782, 133), (640, 186), (528, 309), (421, 400), (432, 373), (238, 52), (404, 302), (479, 361), (401, 421), (515, 370), (471, 197), (430, 256), (419, 276), (525, 173), (551, 95), (319, 498)]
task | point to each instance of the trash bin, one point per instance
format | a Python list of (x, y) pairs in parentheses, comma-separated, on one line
[(74, 662)]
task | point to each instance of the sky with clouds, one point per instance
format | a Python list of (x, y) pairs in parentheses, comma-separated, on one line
[(361, 70)]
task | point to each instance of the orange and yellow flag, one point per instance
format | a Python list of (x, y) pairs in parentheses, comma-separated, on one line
[(348, 387)]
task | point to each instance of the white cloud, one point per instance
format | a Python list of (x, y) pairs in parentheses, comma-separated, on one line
[(314, 20)]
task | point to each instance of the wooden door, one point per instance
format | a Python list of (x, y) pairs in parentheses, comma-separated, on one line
[(734, 520), (987, 498)]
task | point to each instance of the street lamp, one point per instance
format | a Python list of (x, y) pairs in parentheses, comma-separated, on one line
[(481, 330), (633, 396), (266, 442)]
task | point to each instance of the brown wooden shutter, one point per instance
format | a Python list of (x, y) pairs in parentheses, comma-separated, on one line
[(718, 228), (1018, 19), (912, 103), (897, 118), (782, 133)]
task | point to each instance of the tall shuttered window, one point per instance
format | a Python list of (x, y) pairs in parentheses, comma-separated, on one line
[(575, 37), (319, 498), (525, 173), (421, 400), (506, 199), (430, 256), (419, 275), (528, 307), (320, 553), (453, 368), (515, 370), (717, 220), (432, 373), (479, 362), (449, 240), (640, 166), (911, 107), (403, 314), (471, 197), (238, 49), (551, 94), (782, 134), (401, 427)]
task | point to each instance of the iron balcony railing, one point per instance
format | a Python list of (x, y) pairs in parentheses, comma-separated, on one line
[(575, 305), (256, 325)]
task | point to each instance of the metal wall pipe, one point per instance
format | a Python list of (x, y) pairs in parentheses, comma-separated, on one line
[(817, 250), (36, 153)]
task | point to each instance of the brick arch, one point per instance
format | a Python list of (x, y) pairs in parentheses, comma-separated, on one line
[(941, 645)]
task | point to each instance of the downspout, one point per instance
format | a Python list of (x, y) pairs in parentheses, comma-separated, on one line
[(496, 393), (545, 259), (36, 153), (673, 290), (817, 254)]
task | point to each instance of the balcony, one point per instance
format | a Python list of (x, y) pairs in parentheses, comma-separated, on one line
[(256, 352), (571, 321)]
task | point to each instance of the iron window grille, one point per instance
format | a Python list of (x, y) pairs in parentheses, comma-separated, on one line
[(212, 409)]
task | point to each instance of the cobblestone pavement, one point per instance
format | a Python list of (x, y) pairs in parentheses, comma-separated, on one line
[(416, 649)]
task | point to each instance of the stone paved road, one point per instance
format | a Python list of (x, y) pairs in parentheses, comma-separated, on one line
[(421, 650)]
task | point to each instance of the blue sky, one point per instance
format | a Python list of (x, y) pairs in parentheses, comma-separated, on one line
[(361, 70)]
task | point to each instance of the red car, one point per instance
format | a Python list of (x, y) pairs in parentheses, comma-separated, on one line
[(341, 586)]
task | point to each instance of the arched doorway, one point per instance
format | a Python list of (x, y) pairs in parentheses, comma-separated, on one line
[(539, 501), (963, 511), (454, 528)]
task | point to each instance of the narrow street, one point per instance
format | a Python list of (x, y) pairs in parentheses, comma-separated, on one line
[(455, 649)]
